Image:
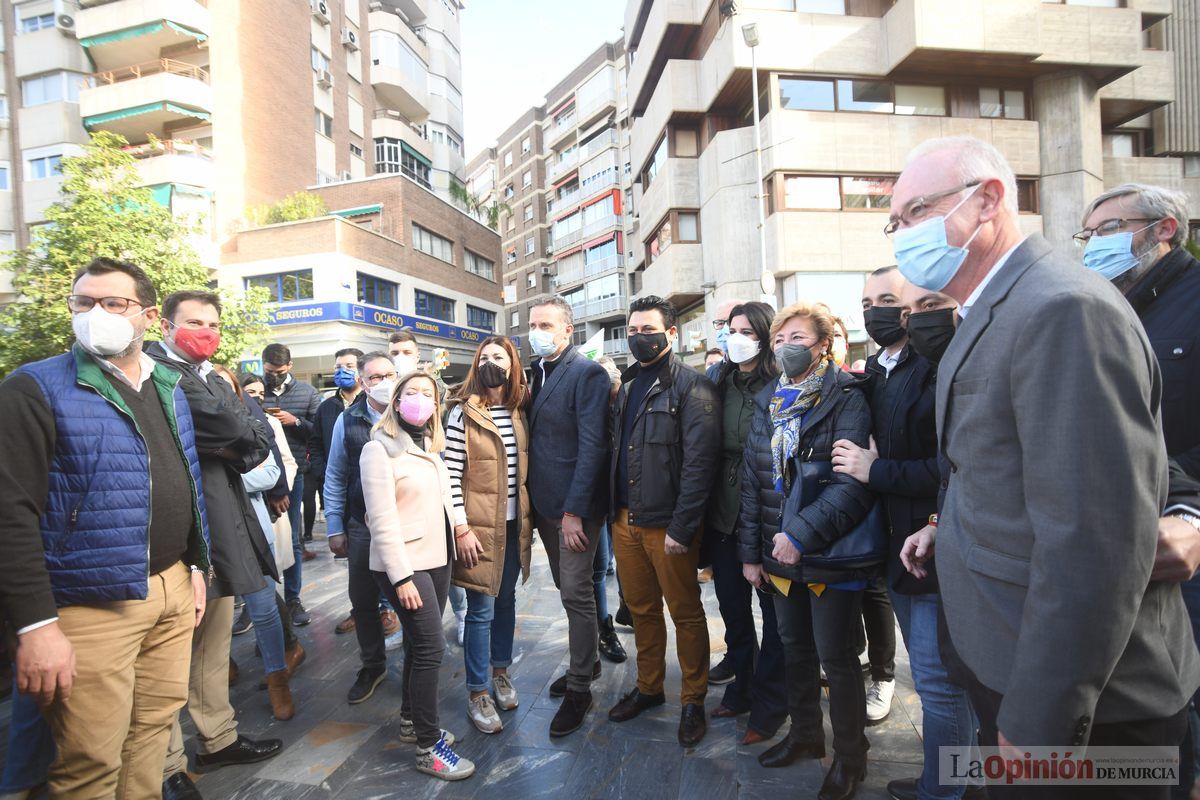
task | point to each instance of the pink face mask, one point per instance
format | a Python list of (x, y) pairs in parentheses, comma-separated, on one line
[(416, 409)]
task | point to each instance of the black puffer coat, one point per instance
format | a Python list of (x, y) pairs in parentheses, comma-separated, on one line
[(841, 505)]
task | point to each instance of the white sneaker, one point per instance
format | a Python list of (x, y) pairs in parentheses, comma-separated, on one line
[(506, 693), (879, 700), (442, 762), (395, 641), (408, 733), (461, 616), (483, 715)]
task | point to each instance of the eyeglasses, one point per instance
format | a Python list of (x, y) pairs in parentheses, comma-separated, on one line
[(1107, 228), (918, 208), (371, 380), (81, 303), (718, 324)]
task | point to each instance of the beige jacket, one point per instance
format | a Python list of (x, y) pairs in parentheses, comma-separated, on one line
[(408, 499)]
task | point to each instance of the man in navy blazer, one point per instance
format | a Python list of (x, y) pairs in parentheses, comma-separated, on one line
[(568, 486)]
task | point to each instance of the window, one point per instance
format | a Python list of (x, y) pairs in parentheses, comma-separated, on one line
[(527, 179), (8, 241), (285, 287), (656, 162), (514, 321), (510, 255), (508, 192), (323, 123), (679, 226), (1027, 196), (40, 22), (478, 265), (529, 212), (594, 255), (1191, 166), (687, 229), (687, 143), (804, 192), (508, 159), (869, 193), (429, 242), (320, 61), (1002, 103), (43, 167), (659, 242), (530, 245), (392, 156), (377, 292), (4, 184), (3, 107), (455, 144), (806, 95), (831, 193), (1121, 145), (442, 87), (53, 87), (438, 136), (821, 6), (434, 306), (481, 318), (355, 150), (876, 97), (525, 145), (872, 96), (531, 280), (928, 101), (389, 50)]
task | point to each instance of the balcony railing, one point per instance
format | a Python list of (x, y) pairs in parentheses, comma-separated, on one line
[(562, 201), (166, 147), (595, 308), (586, 271), (563, 164), (616, 347), (606, 139), (601, 224), (136, 71), (565, 239), (599, 181), (591, 105)]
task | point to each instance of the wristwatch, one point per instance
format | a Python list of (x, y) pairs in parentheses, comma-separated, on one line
[(1188, 517)]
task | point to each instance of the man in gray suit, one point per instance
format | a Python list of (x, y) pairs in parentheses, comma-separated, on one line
[(1048, 415), (568, 486)]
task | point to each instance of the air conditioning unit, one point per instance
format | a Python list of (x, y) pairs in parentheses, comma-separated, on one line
[(324, 79), (65, 23), (320, 11), (350, 39), (346, 175), (420, 32), (547, 271)]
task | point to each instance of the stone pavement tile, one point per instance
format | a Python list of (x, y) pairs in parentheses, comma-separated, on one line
[(626, 768), (257, 789), (315, 756)]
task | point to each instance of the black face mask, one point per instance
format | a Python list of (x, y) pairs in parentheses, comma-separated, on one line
[(794, 359), (646, 347), (883, 324), (273, 381), (492, 375), (930, 332)]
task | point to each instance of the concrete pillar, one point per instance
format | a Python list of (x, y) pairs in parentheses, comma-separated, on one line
[(1067, 109)]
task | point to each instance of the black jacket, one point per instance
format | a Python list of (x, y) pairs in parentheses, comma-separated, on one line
[(674, 447), (906, 473), (321, 435), (230, 442), (844, 502), (301, 400), (1167, 300)]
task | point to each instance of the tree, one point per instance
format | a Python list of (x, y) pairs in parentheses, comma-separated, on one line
[(475, 207), (296, 206), (103, 212)]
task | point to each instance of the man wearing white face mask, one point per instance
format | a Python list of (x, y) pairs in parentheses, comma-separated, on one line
[(95, 579), (1047, 534)]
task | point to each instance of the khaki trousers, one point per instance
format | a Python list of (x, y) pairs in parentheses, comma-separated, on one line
[(131, 661), (208, 688), (648, 575)]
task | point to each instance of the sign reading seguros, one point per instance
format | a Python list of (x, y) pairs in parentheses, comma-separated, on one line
[(308, 313)]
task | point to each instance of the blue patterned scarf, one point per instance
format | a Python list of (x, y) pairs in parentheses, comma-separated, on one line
[(788, 406)]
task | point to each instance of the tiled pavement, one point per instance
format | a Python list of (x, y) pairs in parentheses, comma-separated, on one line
[(334, 750)]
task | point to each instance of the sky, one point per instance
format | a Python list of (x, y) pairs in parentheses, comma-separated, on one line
[(514, 51)]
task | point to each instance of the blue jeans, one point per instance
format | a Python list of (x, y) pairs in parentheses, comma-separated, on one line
[(293, 575), (492, 621), (600, 572), (30, 745), (949, 719), (458, 598), (268, 630)]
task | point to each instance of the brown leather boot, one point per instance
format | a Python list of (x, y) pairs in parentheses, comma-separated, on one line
[(294, 656), (280, 694)]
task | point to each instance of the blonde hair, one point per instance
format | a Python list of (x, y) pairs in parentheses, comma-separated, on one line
[(389, 423), (818, 314)]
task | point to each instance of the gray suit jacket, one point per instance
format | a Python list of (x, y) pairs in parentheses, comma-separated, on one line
[(568, 439), (1048, 412)]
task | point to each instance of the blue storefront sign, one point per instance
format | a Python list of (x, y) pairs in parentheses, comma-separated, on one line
[(307, 313)]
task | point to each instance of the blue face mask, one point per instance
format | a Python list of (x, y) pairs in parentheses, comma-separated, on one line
[(345, 378), (723, 338), (924, 256), (1112, 256), (542, 343)]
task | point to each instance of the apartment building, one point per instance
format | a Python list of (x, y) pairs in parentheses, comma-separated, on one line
[(562, 172), (1077, 94)]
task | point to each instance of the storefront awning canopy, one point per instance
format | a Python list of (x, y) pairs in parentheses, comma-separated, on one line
[(359, 211), (148, 108), (141, 30)]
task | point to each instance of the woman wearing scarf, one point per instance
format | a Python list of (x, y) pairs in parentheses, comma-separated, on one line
[(797, 420)]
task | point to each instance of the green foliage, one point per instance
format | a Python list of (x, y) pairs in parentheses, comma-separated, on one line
[(103, 212), (294, 207), (474, 205), (1193, 247)]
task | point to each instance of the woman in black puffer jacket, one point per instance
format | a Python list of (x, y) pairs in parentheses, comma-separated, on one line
[(798, 419)]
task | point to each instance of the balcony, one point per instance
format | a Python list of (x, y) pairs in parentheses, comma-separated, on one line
[(137, 31), (558, 130), (563, 165), (1148, 87), (616, 347), (587, 271), (173, 161), (598, 144), (590, 108), (664, 35), (391, 124), (676, 274), (599, 182), (571, 198), (567, 239), (609, 306), (603, 224), (146, 98)]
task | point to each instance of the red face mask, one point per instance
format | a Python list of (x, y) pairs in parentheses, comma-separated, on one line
[(198, 344)]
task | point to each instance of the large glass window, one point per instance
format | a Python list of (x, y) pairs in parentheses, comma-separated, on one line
[(481, 318), (43, 167), (800, 94), (429, 242), (656, 162), (377, 292), (478, 265), (4, 185), (877, 97), (320, 61), (873, 96), (37, 23), (808, 192), (598, 211), (285, 287), (53, 87), (389, 50), (870, 193), (434, 306), (927, 101), (390, 156), (323, 123), (661, 241), (594, 255), (688, 228), (1002, 103)]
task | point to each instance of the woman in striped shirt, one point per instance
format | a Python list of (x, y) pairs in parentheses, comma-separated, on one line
[(486, 449)]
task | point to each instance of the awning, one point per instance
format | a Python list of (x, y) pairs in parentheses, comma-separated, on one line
[(161, 193), (412, 151), (141, 30), (358, 212), (148, 108)]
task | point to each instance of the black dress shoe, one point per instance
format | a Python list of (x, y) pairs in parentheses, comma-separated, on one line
[(243, 751), (610, 646), (623, 617), (559, 687), (692, 725), (842, 780), (903, 789), (633, 704), (786, 751), (180, 787), (571, 713), (722, 673)]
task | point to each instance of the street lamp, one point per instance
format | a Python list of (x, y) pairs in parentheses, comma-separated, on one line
[(766, 279)]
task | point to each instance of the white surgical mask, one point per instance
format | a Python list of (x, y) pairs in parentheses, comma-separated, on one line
[(542, 343), (405, 364), (381, 392), (741, 348), (102, 333)]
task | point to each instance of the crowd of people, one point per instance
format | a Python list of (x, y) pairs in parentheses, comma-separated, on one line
[(1013, 479)]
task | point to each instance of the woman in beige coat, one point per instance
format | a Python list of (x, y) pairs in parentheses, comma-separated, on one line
[(486, 452), (410, 513)]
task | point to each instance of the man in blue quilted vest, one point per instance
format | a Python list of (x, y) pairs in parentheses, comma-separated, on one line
[(105, 547)]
